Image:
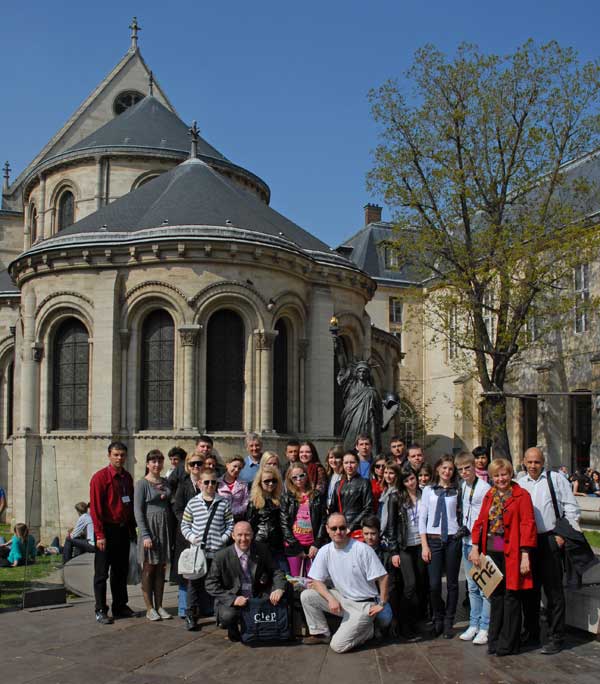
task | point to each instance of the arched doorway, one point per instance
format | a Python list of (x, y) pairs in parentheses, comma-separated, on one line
[(225, 351), (280, 378)]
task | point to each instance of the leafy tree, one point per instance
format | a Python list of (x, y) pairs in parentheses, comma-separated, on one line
[(477, 161)]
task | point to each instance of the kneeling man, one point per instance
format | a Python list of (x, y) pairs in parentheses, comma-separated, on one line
[(359, 593), (239, 572)]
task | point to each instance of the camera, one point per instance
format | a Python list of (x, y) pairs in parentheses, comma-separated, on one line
[(462, 532)]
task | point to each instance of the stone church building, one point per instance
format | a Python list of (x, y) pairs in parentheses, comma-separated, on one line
[(149, 293)]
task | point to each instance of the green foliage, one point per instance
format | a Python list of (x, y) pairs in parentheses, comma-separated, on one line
[(476, 162)]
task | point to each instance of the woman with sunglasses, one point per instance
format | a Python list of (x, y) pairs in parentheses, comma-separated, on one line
[(207, 522), (152, 509), (334, 469), (439, 514), (232, 488), (309, 456), (377, 483), (353, 496), (187, 489), (264, 513), (302, 520)]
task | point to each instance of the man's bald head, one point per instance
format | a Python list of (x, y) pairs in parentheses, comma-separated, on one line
[(242, 535), (534, 462)]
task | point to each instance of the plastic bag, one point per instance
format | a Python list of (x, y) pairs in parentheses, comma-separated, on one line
[(134, 573)]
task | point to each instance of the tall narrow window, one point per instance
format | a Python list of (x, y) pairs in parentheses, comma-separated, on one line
[(71, 376), (66, 210), (395, 312), (158, 355), (489, 314), (33, 224), (280, 378), (10, 399), (391, 257), (582, 298), (224, 387)]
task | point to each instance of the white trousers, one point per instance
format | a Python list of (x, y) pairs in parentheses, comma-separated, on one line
[(356, 627)]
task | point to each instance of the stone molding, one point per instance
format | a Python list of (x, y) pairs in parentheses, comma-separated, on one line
[(63, 293), (226, 287), (189, 334), (149, 284), (264, 339), (303, 347)]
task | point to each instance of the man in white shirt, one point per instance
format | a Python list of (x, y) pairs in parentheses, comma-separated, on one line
[(547, 559), (472, 489), (359, 593)]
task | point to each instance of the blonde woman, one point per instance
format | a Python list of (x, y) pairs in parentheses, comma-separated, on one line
[(270, 458), (264, 512)]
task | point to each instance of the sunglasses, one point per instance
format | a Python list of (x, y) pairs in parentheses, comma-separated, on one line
[(299, 477), (269, 482), (378, 466), (209, 482), (196, 464), (340, 528)]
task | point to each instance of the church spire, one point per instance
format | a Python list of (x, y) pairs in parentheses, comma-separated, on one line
[(135, 28), (6, 175), (195, 135)]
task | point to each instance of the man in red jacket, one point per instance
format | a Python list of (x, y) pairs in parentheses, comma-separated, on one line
[(111, 508)]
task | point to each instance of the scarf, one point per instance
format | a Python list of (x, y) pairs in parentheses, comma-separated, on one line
[(383, 508), (441, 512), (495, 517)]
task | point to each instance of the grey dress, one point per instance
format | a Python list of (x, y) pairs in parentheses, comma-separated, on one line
[(151, 504)]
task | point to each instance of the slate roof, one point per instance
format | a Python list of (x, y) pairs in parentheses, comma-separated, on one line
[(191, 194), (147, 124), (368, 254)]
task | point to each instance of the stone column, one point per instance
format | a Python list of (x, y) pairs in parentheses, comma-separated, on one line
[(124, 336), (264, 346), (302, 354), (29, 366), (595, 445), (188, 335), (544, 409), (41, 230)]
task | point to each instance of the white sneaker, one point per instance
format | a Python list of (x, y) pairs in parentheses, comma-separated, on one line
[(165, 615), (481, 638), (469, 634), (152, 615)]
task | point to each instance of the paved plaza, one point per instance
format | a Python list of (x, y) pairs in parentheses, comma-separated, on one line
[(65, 645)]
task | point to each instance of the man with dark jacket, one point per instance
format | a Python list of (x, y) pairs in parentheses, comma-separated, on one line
[(239, 572)]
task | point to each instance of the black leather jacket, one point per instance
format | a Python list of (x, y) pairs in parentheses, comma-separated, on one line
[(356, 499), (289, 510), (396, 530), (266, 524)]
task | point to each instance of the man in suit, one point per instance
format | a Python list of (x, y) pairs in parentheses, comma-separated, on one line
[(239, 572)]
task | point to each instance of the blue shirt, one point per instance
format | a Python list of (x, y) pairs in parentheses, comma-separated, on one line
[(364, 469), (248, 472)]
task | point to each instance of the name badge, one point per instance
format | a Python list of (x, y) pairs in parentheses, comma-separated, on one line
[(125, 499)]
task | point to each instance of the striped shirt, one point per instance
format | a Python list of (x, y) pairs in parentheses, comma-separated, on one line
[(195, 517)]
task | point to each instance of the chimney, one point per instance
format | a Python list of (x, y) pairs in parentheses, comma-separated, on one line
[(372, 213)]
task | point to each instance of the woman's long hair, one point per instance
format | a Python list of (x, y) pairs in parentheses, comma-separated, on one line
[(257, 494), (405, 499), (446, 458), (338, 450), (290, 485)]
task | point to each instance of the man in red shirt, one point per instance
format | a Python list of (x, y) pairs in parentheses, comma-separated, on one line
[(111, 508)]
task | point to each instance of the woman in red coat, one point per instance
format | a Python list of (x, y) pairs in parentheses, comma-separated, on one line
[(505, 530)]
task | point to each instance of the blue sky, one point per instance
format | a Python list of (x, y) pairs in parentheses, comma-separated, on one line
[(278, 87)]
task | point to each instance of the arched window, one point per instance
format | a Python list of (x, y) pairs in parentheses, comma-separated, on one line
[(33, 223), (225, 371), (71, 376), (66, 210), (280, 378), (158, 356), (125, 100)]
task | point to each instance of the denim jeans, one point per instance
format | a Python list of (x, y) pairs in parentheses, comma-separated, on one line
[(384, 619), (182, 599), (480, 606)]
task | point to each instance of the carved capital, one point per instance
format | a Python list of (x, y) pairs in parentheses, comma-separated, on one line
[(264, 339), (124, 336), (302, 348), (189, 335)]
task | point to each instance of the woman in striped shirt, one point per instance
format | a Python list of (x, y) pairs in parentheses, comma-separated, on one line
[(207, 521)]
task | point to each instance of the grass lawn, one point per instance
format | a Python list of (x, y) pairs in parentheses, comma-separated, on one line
[(593, 538), (11, 579)]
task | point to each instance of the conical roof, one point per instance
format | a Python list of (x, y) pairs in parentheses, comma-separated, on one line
[(193, 194), (147, 124)]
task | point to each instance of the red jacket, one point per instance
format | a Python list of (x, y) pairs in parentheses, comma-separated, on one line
[(519, 532)]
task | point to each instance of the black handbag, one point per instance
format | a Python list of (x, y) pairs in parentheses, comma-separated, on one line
[(264, 622)]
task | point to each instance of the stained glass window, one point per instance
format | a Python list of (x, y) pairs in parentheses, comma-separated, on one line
[(158, 356), (71, 376)]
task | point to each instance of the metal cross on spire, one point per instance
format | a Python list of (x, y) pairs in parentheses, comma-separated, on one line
[(195, 135), (151, 84), (135, 28), (6, 174)]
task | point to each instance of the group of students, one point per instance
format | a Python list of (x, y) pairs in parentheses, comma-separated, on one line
[(421, 521)]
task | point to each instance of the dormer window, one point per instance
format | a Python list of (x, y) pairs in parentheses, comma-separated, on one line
[(392, 258), (125, 100)]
